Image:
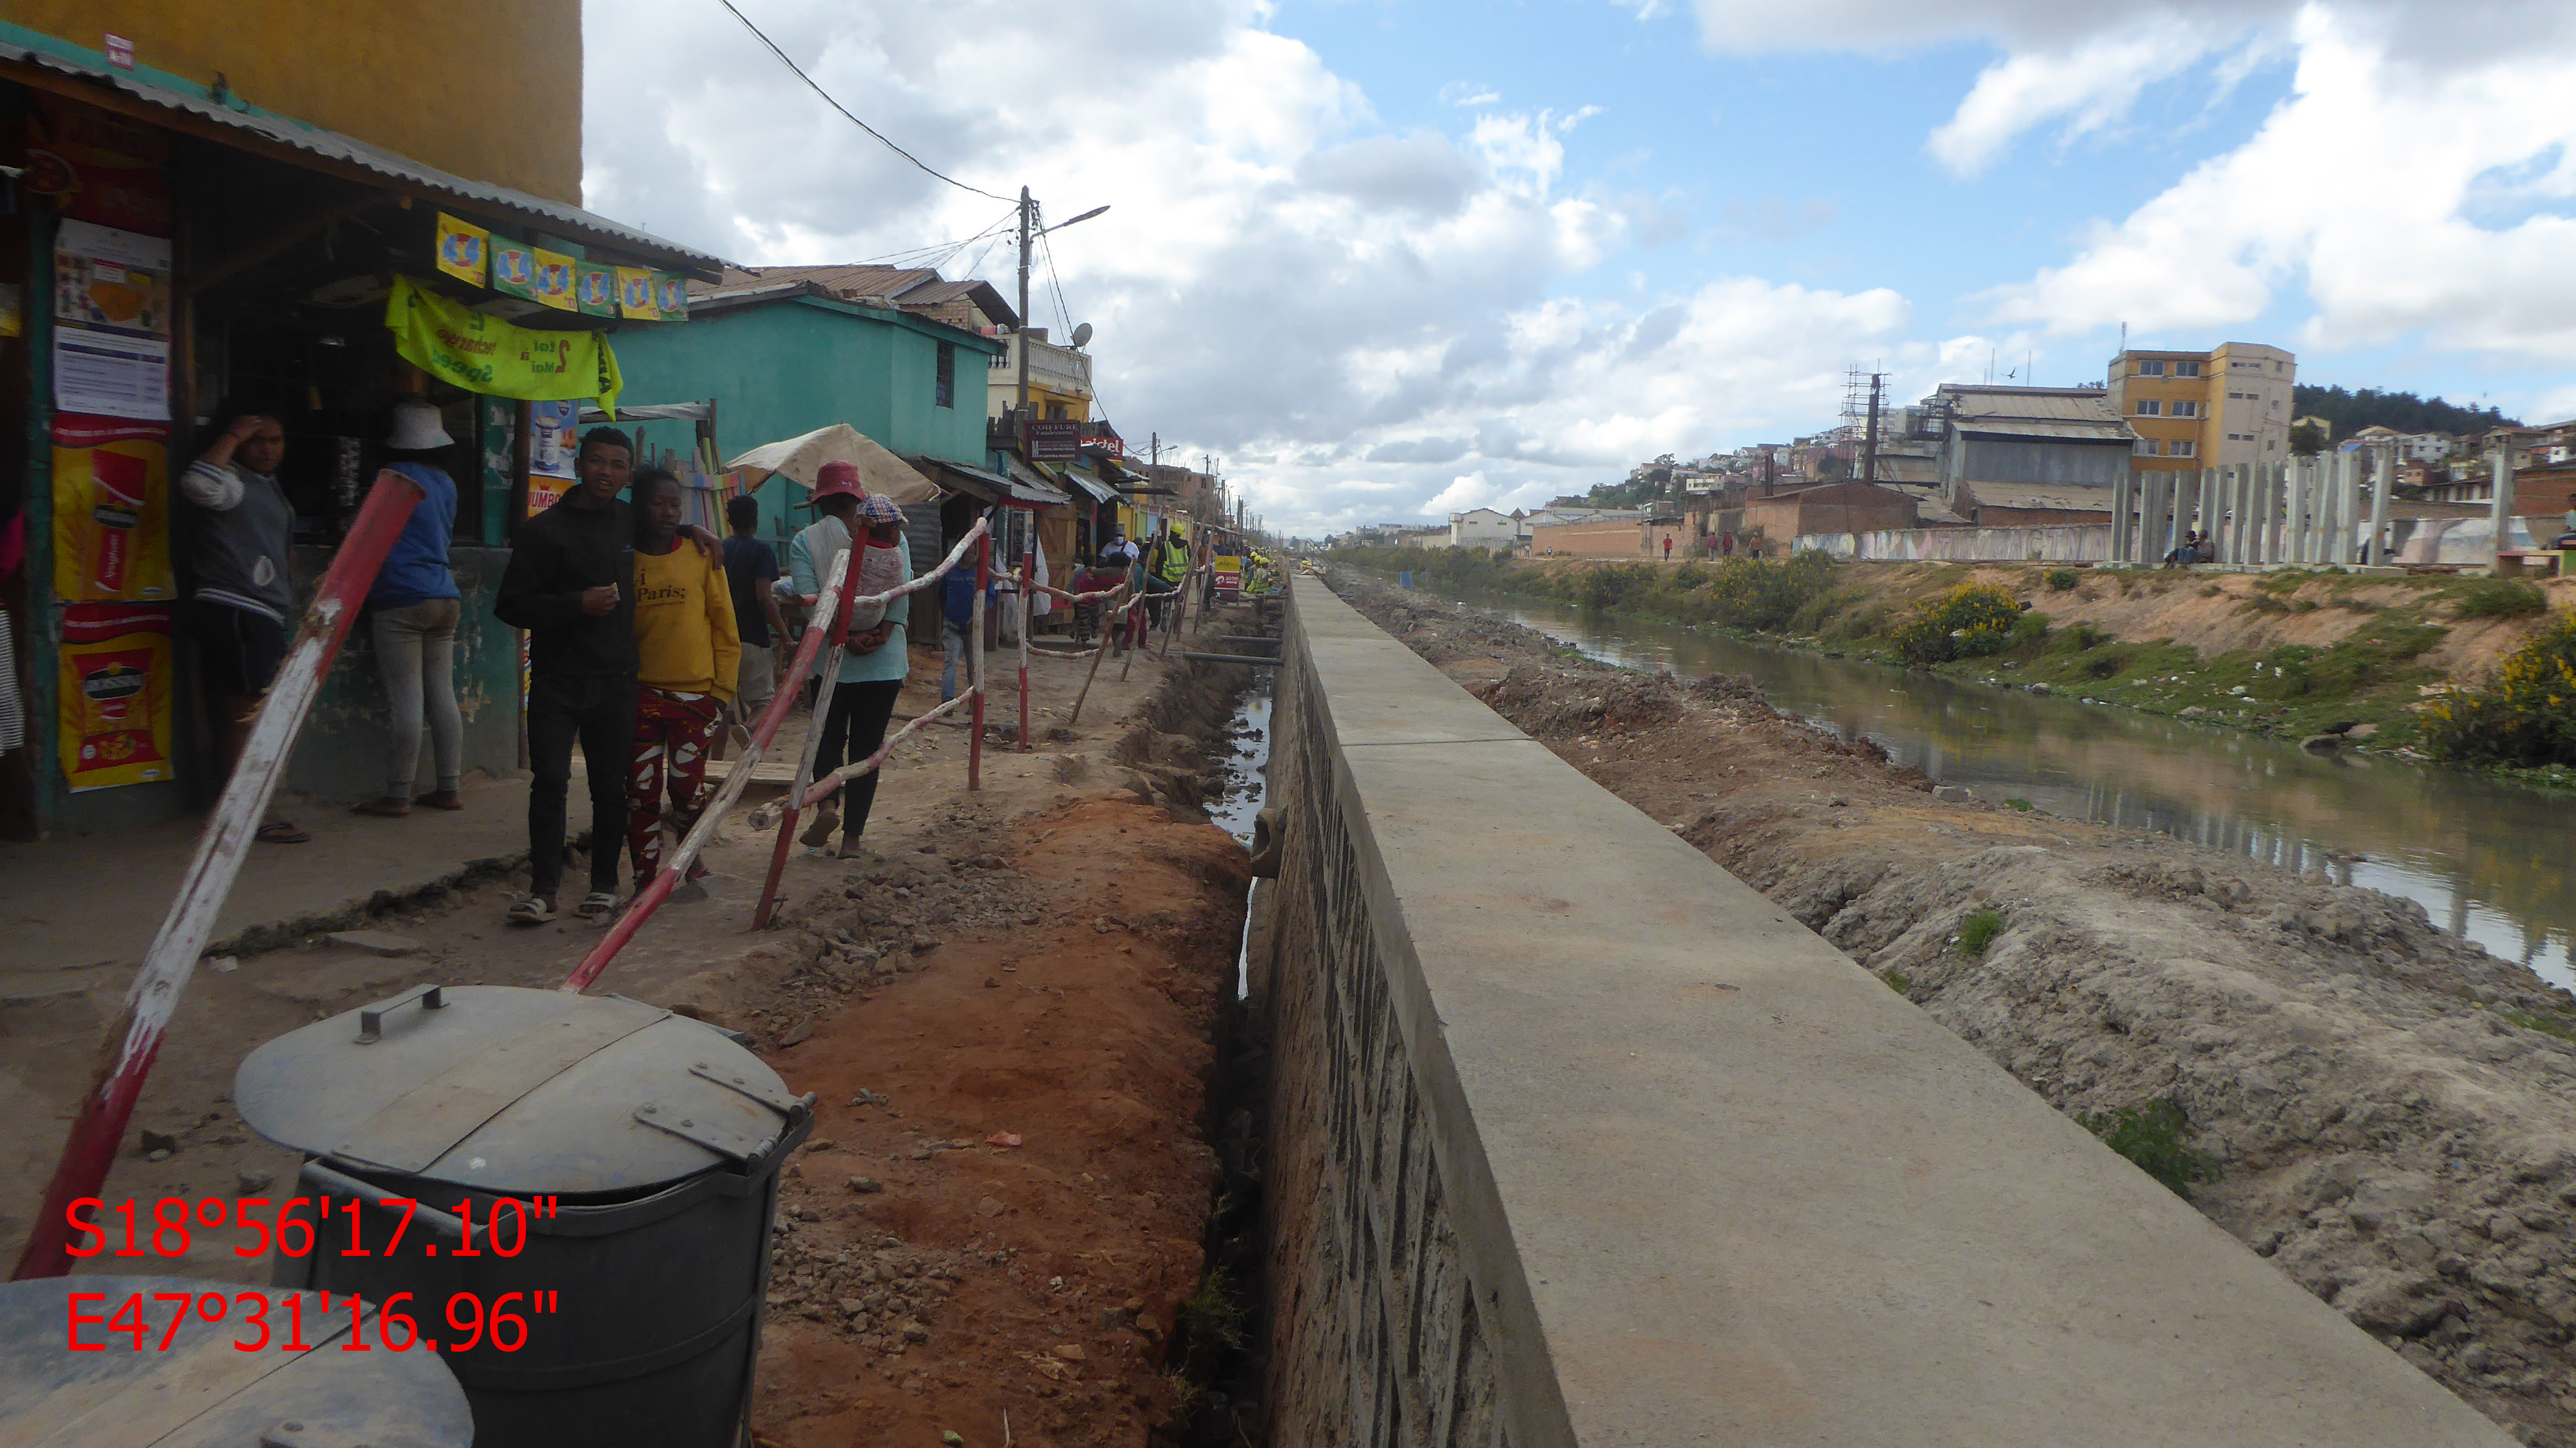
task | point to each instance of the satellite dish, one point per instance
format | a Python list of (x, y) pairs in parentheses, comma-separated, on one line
[(1082, 335)]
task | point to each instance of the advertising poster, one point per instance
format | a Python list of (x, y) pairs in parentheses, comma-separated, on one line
[(595, 289), (514, 268), (554, 279), (115, 697), (635, 298), (482, 353), (111, 279), (111, 374), (1229, 570), (96, 166), (111, 510), (552, 436), (464, 250), (671, 296)]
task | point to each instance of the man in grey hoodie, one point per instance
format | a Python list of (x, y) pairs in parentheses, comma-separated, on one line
[(243, 527)]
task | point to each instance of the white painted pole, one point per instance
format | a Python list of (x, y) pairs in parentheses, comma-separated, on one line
[(2385, 463), (2500, 507), (2123, 492)]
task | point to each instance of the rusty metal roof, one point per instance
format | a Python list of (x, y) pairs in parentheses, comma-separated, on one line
[(261, 131)]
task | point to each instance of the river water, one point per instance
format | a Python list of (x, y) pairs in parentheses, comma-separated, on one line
[(2491, 861)]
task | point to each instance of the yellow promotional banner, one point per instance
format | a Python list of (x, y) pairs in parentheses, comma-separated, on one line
[(117, 681), (554, 280), (464, 250), (111, 509), (484, 354), (636, 298)]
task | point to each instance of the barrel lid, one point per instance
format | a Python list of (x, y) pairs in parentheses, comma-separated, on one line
[(516, 1091), (202, 1392)]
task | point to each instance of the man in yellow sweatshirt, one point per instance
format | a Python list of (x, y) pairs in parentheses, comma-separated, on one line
[(688, 652)]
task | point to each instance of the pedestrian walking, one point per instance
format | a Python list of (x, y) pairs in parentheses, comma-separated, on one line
[(956, 620), (1668, 548), (570, 585), (412, 613), (874, 662), (237, 613), (751, 568), (688, 656)]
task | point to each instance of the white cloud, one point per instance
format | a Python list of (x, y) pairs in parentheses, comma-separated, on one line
[(2090, 84), (2364, 186)]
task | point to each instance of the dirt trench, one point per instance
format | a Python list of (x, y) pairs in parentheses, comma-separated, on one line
[(2391, 1111)]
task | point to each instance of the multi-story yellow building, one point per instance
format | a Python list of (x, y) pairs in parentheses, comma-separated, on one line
[(2206, 409)]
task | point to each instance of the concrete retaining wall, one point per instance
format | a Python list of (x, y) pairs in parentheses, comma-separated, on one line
[(1575, 1139), (2059, 543)]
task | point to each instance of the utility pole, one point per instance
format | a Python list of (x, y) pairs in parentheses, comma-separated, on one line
[(1869, 440), (1027, 211)]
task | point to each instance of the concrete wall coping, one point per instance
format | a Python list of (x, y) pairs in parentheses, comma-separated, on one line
[(1720, 1185)]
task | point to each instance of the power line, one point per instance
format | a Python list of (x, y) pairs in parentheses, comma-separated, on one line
[(845, 110)]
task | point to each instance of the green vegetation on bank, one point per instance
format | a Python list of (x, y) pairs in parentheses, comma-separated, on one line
[(2150, 1134), (2372, 683)]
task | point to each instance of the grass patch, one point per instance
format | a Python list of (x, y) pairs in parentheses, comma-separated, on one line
[(2150, 1135), (1213, 1313), (1979, 931), (2018, 803), (2550, 1024), (1897, 981), (2062, 579), (2497, 598)]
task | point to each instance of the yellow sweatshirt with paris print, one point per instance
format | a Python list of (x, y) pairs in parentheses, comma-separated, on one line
[(685, 638)]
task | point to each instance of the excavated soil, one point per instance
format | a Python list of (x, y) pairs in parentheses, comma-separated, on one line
[(2392, 1110)]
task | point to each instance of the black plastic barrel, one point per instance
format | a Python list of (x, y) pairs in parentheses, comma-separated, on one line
[(617, 1164), (216, 1380)]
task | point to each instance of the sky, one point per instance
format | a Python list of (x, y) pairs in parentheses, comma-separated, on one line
[(1385, 259)]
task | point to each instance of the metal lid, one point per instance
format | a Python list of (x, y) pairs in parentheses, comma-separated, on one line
[(202, 1392), (516, 1091)]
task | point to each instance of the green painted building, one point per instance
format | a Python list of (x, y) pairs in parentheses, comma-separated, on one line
[(784, 359)]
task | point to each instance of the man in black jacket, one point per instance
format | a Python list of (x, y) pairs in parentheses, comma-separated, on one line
[(570, 585)]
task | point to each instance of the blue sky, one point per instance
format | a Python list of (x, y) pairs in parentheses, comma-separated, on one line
[(1390, 257)]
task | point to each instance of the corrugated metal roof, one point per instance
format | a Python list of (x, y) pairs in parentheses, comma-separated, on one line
[(1100, 492), (902, 286), (555, 216), (1981, 405), (1023, 487), (2108, 431)]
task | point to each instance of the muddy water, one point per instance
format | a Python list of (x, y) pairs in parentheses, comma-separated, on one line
[(1247, 785), (2490, 861)]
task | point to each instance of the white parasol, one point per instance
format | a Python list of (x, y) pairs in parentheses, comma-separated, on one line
[(798, 459)]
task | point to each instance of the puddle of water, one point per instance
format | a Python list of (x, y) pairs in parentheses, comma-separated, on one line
[(2492, 862), (1247, 785)]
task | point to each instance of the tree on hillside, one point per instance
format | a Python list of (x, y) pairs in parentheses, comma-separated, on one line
[(2307, 440), (2349, 411)]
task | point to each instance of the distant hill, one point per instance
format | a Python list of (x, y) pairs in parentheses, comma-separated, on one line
[(1634, 494), (2350, 412)]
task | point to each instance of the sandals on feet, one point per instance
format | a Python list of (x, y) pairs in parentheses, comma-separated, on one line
[(534, 910), (597, 906), (279, 832)]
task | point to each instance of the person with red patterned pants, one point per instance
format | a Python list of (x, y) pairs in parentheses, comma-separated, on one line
[(688, 652)]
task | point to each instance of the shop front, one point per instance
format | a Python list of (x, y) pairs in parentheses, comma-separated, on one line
[(169, 262)]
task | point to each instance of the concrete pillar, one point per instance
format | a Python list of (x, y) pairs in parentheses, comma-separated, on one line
[(2330, 509), (2159, 517), (2500, 508), (2302, 491), (2348, 536), (2384, 461), (2169, 524), (2240, 513), (2186, 496), (2124, 495), (2269, 483), (2211, 513)]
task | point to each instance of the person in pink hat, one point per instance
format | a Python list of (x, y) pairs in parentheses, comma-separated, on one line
[(876, 660)]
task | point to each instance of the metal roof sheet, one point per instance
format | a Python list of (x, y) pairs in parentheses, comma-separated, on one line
[(331, 146), (2108, 430)]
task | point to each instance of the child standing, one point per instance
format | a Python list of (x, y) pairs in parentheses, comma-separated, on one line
[(689, 653)]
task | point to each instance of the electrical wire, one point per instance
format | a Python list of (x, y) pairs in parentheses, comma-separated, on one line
[(845, 110)]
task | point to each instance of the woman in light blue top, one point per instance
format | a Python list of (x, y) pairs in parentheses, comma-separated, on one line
[(874, 665), (413, 612)]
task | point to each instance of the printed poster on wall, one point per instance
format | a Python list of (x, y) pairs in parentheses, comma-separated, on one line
[(111, 279), (111, 374), (97, 166), (635, 297), (464, 249), (552, 437), (554, 279), (116, 683), (671, 296), (111, 509)]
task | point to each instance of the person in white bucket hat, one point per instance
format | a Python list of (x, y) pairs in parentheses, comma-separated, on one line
[(413, 611)]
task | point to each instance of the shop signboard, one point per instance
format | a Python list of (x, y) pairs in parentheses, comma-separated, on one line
[(482, 353), (1229, 570), (595, 289), (1054, 440), (554, 279), (514, 268), (114, 701), (111, 509), (636, 300), (464, 250)]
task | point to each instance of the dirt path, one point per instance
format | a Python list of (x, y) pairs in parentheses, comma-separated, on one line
[(2392, 1111), (1046, 959)]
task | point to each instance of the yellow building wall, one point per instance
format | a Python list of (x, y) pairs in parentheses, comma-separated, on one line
[(487, 89)]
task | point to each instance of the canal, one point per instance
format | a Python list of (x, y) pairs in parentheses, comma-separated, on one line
[(2491, 861)]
